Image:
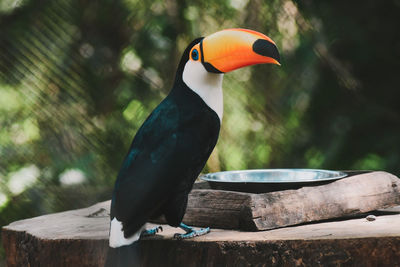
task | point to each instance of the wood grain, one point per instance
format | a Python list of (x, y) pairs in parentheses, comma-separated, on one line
[(80, 238), (350, 196)]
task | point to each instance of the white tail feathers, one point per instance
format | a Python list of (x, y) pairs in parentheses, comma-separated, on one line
[(117, 238)]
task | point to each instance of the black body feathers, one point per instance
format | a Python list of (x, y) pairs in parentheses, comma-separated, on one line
[(166, 156)]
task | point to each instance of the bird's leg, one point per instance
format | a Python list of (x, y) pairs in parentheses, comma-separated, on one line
[(190, 232), (150, 232)]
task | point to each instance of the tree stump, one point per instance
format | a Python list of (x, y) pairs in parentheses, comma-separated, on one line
[(80, 237)]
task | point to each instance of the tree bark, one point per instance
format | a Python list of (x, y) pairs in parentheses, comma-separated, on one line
[(80, 237), (349, 196)]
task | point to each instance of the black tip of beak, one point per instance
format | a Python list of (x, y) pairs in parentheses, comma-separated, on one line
[(267, 49)]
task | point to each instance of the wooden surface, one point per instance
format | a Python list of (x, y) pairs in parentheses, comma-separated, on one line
[(214, 208), (254, 212), (80, 238), (348, 196)]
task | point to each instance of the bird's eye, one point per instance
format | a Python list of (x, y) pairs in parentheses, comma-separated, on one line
[(195, 54)]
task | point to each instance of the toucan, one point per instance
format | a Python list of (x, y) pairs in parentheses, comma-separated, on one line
[(172, 146)]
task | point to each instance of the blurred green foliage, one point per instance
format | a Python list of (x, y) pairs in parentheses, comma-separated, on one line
[(77, 79)]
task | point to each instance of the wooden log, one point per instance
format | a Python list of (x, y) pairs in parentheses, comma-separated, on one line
[(214, 208), (349, 196), (254, 212), (80, 238)]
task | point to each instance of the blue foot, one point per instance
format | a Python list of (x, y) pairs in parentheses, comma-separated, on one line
[(151, 232), (190, 232)]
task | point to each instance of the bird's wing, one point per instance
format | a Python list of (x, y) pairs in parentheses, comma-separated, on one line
[(148, 173)]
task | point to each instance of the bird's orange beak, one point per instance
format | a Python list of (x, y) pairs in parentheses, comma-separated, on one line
[(231, 49)]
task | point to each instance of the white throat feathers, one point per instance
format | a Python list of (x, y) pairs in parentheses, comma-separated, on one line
[(206, 84)]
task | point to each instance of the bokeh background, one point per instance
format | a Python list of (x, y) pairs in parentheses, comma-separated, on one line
[(77, 79)]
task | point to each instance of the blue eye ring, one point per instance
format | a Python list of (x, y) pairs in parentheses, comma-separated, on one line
[(195, 54)]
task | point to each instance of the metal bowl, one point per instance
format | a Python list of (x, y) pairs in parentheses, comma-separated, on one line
[(268, 180)]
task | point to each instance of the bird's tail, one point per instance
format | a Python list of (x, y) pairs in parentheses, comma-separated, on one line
[(125, 256)]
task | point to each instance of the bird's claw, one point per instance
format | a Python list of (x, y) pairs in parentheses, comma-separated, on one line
[(151, 232), (192, 233)]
